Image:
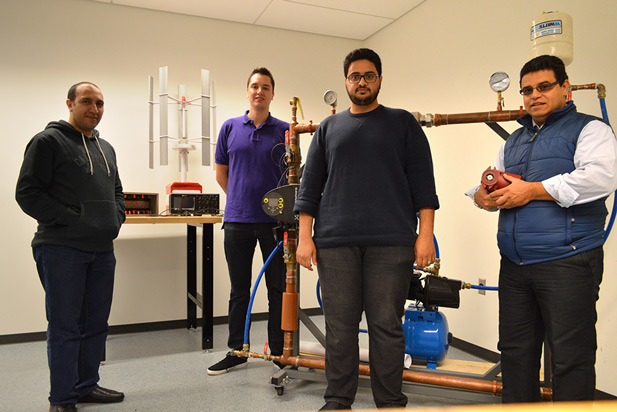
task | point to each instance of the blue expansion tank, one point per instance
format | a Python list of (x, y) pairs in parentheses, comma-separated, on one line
[(427, 336)]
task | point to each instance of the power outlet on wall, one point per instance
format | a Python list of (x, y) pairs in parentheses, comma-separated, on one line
[(482, 282)]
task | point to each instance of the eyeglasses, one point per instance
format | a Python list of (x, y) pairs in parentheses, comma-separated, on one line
[(369, 77), (542, 88)]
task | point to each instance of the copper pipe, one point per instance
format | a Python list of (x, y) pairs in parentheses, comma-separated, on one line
[(591, 86), (290, 245), (305, 128), (480, 117), (471, 384), (289, 317)]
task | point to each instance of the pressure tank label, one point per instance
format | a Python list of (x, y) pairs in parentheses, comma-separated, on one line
[(546, 28)]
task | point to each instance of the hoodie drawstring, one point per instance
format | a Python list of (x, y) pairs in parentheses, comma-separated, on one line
[(83, 139), (104, 158)]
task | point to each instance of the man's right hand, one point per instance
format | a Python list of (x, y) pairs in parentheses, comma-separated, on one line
[(483, 199), (306, 254)]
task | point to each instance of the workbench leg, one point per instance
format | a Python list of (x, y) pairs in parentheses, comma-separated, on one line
[(207, 286), (191, 276)]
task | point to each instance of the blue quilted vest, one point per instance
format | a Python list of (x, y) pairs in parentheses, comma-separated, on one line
[(541, 230)]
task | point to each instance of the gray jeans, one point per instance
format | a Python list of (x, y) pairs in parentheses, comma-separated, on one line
[(374, 280)]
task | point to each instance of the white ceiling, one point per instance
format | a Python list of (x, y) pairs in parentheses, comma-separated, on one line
[(352, 19)]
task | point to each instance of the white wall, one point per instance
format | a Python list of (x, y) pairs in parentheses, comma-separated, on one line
[(437, 59), (46, 46)]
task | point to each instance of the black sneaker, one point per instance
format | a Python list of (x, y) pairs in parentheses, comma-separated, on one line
[(230, 361)]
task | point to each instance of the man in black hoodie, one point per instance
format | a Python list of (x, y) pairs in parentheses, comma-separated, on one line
[(69, 183)]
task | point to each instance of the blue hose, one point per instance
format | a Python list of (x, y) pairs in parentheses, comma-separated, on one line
[(247, 323), (603, 109), (318, 292), (482, 287)]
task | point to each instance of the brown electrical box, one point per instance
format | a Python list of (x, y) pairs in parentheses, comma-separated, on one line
[(141, 203)]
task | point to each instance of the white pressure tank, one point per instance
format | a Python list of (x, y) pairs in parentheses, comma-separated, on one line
[(551, 33)]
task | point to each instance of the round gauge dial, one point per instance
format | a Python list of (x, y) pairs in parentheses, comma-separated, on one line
[(499, 81), (330, 97)]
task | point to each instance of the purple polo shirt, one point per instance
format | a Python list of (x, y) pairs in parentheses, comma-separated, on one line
[(254, 156)]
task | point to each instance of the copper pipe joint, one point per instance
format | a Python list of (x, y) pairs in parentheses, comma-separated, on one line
[(288, 346), (305, 128)]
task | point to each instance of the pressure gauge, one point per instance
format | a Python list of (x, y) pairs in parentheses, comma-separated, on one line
[(499, 81), (330, 97)]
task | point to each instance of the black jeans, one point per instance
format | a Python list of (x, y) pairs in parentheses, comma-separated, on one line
[(374, 280), (240, 242), (556, 299)]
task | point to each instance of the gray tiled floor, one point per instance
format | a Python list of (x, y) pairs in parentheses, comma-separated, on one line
[(166, 371)]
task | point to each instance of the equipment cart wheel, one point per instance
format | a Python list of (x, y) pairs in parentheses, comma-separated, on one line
[(279, 390)]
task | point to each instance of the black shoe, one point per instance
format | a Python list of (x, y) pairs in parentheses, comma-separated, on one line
[(67, 407), (102, 395), (331, 406), (230, 362)]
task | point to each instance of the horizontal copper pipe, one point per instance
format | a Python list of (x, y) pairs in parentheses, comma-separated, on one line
[(305, 128), (478, 385), (479, 117)]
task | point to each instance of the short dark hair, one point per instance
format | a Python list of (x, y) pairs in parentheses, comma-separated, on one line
[(362, 54), (546, 62), (73, 90), (264, 72)]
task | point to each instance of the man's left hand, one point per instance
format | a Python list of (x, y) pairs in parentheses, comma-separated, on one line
[(425, 251)]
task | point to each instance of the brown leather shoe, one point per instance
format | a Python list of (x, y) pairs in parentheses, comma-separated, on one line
[(102, 395)]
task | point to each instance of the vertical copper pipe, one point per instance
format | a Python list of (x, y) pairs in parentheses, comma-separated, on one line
[(290, 244), (289, 318), (294, 148)]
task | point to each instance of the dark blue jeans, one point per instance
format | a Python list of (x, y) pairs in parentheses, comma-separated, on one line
[(554, 299), (240, 242), (78, 291), (374, 280)]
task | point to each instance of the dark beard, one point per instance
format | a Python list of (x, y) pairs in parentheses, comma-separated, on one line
[(365, 101)]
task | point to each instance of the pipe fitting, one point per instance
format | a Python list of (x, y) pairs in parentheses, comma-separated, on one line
[(601, 91)]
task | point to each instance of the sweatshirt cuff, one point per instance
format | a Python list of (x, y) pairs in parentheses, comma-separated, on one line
[(305, 207)]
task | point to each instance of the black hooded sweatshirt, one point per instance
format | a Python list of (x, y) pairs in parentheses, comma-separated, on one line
[(70, 184)]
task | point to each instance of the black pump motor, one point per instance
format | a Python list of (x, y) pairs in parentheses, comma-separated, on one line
[(435, 291)]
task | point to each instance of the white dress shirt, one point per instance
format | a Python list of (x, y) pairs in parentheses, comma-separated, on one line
[(595, 173)]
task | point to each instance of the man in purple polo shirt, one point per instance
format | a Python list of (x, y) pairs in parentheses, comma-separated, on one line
[(249, 164)]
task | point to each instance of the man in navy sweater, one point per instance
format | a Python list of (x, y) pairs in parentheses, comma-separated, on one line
[(368, 173), (551, 231)]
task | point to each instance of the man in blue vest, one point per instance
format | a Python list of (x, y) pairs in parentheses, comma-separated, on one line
[(551, 231)]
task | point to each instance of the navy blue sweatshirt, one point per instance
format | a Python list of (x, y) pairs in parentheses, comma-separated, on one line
[(70, 184), (366, 176)]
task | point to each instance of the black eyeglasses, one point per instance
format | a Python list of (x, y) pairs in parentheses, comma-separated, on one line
[(369, 77), (542, 88)]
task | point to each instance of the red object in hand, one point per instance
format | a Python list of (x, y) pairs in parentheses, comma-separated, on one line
[(492, 179)]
